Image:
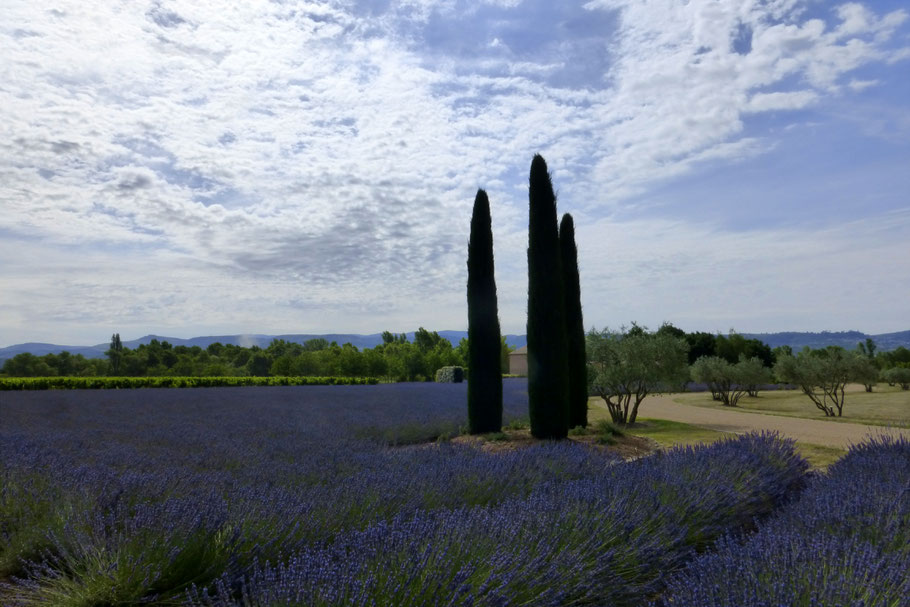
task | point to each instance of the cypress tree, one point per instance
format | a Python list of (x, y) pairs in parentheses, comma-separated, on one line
[(484, 344), (575, 326), (548, 386)]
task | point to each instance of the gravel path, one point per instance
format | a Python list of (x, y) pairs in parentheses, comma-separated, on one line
[(817, 432)]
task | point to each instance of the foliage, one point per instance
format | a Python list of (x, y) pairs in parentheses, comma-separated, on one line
[(607, 432), (700, 344), (822, 375), (865, 372), (114, 383), (897, 375), (115, 353), (575, 327), (753, 374), (734, 346), (548, 383), (867, 348), (394, 360), (484, 337), (722, 378), (898, 357), (844, 542), (623, 368), (450, 375), (729, 382)]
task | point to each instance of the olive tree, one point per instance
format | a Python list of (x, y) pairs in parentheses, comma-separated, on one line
[(897, 375), (721, 377), (822, 375), (624, 367), (729, 382), (753, 374)]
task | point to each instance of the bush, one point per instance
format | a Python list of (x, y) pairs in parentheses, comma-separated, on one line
[(114, 383), (606, 539), (450, 375), (844, 542), (897, 375)]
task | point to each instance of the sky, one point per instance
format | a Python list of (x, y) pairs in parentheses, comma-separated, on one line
[(211, 167)]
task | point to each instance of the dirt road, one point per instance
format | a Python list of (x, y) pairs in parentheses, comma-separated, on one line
[(817, 432)]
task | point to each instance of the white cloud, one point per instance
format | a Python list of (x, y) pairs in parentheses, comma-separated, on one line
[(320, 154), (705, 277), (861, 85)]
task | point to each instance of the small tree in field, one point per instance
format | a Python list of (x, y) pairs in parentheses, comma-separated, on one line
[(897, 375), (575, 326), (623, 368), (865, 372), (722, 378), (484, 339), (822, 375), (753, 374), (728, 382)]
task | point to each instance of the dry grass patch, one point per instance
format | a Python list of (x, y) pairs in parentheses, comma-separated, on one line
[(885, 406), (627, 447)]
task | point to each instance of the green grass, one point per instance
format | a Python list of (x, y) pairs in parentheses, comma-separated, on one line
[(671, 434), (819, 456), (886, 406)]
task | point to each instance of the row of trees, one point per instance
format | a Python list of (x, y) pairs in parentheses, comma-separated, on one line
[(626, 366), (557, 370), (396, 359)]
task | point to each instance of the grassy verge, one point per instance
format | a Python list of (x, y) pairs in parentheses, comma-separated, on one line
[(886, 406), (671, 434), (668, 434)]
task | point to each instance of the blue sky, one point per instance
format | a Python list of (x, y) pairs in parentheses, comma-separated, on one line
[(211, 167)]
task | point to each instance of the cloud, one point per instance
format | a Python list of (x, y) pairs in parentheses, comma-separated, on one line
[(327, 152), (704, 277), (764, 102)]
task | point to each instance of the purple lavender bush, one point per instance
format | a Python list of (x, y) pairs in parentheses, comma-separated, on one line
[(845, 542), (604, 539), (260, 495)]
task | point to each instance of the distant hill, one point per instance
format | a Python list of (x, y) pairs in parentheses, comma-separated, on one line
[(844, 339), (796, 340)]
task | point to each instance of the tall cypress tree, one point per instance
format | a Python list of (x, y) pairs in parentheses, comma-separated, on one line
[(548, 387), (575, 326), (484, 345)]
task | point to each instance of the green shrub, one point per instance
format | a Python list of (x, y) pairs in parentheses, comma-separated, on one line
[(450, 375), (116, 383), (607, 432)]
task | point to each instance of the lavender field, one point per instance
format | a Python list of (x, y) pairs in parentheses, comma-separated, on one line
[(349, 495)]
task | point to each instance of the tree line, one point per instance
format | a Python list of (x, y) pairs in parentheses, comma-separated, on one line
[(396, 359), (557, 370), (627, 365)]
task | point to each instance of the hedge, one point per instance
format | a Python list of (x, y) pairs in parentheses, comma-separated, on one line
[(109, 383)]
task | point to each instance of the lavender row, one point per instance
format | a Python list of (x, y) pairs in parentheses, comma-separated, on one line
[(606, 539), (134, 497), (845, 543), (120, 499)]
